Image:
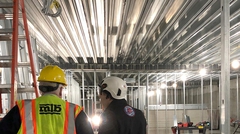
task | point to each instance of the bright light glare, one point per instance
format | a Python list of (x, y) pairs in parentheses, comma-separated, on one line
[(1, 26), (183, 77), (203, 72), (150, 93), (89, 119), (96, 120), (235, 64), (174, 85), (163, 85), (158, 91)]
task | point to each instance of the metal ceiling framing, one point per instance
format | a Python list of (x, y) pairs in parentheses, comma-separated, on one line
[(132, 36)]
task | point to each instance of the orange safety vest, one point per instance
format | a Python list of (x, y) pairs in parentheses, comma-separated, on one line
[(47, 114)]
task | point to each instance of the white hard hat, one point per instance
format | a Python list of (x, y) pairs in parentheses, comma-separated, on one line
[(115, 86)]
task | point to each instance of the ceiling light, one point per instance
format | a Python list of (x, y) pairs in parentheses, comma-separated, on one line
[(174, 85), (203, 72), (163, 85), (183, 77), (150, 93), (158, 91), (235, 64), (173, 10)]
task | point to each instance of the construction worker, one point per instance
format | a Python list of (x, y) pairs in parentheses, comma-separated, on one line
[(48, 114), (118, 117)]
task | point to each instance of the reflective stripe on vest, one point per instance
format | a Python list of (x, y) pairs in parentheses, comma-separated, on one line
[(30, 119)]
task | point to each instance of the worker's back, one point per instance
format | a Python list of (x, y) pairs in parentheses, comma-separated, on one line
[(123, 118), (48, 114)]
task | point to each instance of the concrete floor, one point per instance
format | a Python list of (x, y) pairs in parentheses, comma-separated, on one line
[(207, 132), (194, 132)]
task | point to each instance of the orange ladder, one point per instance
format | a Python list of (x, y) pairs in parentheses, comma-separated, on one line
[(17, 5)]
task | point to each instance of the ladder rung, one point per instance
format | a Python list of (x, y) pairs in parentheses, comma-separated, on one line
[(19, 86), (9, 37), (5, 88), (24, 90), (6, 5), (8, 16), (6, 31), (5, 57), (20, 64)]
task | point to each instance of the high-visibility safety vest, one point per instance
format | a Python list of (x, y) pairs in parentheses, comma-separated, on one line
[(47, 114)]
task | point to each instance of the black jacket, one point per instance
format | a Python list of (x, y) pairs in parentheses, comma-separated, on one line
[(120, 118), (11, 123)]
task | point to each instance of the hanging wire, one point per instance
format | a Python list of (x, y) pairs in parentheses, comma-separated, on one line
[(49, 4)]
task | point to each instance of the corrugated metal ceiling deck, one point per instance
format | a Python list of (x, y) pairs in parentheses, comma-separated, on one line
[(131, 36)]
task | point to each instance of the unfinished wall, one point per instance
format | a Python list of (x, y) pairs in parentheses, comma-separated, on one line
[(159, 120)]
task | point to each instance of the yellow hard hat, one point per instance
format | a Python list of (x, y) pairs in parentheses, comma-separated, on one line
[(52, 73)]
